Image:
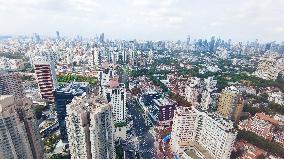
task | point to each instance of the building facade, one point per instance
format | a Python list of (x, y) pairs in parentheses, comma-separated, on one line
[(64, 96), (20, 138), (205, 132), (90, 128), (105, 74), (184, 128), (116, 95), (46, 78), (11, 84), (230, 103)]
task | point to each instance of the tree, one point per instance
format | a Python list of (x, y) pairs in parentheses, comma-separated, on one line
[(260, 142), (38, 111), (50, 142), (69, 77), (119, 152), (179, 99), (60, 156)]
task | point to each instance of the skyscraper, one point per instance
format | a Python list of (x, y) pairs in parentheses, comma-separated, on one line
[(104, 75), (64, 96), (117, 97), (230, 103), (184, 128), (57, 35), (207, 134), (11, 84), (90, 128), (102, 37), (18, 130), (188, 40), (45, 73)]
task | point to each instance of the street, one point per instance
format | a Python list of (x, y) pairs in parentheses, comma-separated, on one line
[(144, 140)]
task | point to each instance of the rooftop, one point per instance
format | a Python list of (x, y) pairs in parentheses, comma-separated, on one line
[(195, 151), (163, 102), (87, 103), (74, 88)]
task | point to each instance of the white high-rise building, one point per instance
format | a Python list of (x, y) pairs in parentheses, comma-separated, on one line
[(216, 135), (104, 75), (184, 128), (209, 134), (117, 96), (205, 100), (95, 56), (90, 128)]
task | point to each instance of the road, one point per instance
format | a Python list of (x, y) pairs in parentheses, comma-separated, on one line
[(143, 138)]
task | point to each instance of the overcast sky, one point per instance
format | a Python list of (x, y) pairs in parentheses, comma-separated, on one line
[(146, 19)]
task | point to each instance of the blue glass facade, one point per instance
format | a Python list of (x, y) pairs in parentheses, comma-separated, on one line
[(64, 96)]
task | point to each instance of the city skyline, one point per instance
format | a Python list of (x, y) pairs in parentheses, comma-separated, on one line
[(145, 19)]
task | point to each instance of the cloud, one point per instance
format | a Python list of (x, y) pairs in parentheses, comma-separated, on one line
[(146, 19)]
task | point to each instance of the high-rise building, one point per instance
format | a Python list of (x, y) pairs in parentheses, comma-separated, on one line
[(102, 37), (19, 133), (163, 111), (95, 56), (216, 135), (230, 103), (90, 128), (188, 40), (116, 95), (11, 84), (57, 35), (64, 96), (184, 128), (45, 73), (104, 75), (206, 133)]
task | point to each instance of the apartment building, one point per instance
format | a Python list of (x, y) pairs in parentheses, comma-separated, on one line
[(230, 103), (46, 78), (216, 135), (184, 128), (11, 84), (20, 138), (199, 92), (64, 96), (90, 128), (205, 133), (116, 95), (105, 74)]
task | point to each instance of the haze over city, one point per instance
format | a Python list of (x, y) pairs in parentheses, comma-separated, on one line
[(242, 20), (142, 79)]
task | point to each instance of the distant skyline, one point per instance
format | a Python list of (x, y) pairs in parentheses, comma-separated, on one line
[(241, 20)]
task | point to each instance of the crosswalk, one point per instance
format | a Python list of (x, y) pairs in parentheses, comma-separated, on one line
[(147, 150)]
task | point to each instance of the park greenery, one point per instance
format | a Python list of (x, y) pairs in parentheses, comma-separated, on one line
[(150, 73), (37, 109), (271, 109), (78, 78), (181, 101), (60, 156), (119, 152), (27, 78), (120, 124), (15, 55), (225, 75), (50, 142), (260, 142)]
